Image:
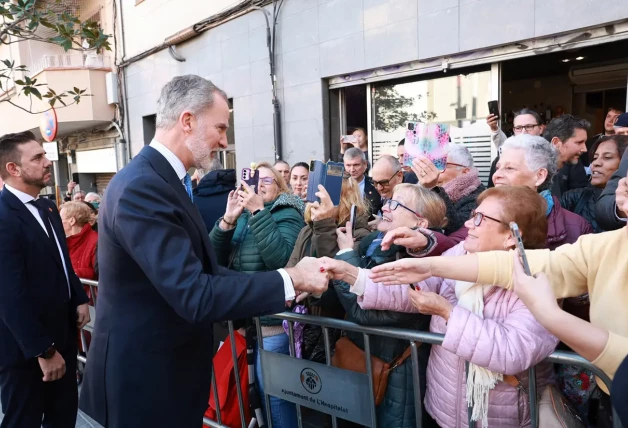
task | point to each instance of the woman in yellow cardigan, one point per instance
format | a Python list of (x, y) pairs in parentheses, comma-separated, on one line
[(597, 264)]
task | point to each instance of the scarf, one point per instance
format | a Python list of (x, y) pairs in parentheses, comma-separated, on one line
[(463, 185), (480, 381), (547, 195)]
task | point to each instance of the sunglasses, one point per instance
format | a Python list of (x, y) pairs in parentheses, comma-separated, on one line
[(385, 183), (478, 217), (393, 205)]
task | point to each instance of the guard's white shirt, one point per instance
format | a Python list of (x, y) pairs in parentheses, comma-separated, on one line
[(25, 199), (179, 169)]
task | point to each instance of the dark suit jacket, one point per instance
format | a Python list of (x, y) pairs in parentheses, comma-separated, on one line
[(372, 196), (161, 288), (605, 208), (36, 309)]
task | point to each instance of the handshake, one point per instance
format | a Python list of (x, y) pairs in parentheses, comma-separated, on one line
[(312, 275)]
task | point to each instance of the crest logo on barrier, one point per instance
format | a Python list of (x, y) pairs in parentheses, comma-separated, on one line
[(311, 381)]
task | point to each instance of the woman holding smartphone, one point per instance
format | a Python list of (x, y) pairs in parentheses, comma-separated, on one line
[(410, 206), (257, 234), (489, 327)]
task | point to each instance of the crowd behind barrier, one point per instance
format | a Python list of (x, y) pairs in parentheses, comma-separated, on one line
[(412, 336)]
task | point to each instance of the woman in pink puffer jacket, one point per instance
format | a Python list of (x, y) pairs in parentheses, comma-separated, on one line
[(501, 338)]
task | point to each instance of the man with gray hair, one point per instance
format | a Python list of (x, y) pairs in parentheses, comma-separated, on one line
[(161, 288), (355, 166)]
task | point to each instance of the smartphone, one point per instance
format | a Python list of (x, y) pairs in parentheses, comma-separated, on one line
[(352, 218), (327, 174), (493, 108), (514, 228), (349, 139), (250, 177), (414, 287), (429, 140)]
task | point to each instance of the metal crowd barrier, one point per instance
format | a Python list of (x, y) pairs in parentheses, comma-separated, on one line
[(412, 336)]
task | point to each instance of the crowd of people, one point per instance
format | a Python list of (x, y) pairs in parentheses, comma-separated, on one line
[(548, 178), (409, 247)]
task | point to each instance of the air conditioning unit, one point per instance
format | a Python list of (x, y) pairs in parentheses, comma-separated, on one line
[(600, 74)]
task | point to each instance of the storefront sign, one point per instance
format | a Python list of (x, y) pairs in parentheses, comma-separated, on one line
[(330, 390)]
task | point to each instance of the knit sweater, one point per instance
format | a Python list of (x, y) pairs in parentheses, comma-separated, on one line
[(597, 264)]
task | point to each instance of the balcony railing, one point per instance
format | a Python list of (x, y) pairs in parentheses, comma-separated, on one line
[(72, 61)]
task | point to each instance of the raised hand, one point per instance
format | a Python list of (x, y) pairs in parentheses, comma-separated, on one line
[(234, 210), (345, 237), (535, 291), (404, 237), (325, 208), (493, 122), (426, 171), (621, 197), (404, 271), (247, 198)]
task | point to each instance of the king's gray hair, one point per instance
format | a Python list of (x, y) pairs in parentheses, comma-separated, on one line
[(184, 93), (538, 153)]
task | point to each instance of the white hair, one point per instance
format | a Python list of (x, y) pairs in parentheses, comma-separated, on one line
[(93, 195), (538, 153), (459, 154), (184, 93)]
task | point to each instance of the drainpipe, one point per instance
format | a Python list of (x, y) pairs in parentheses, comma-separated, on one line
[(126, 158), (120, 148)]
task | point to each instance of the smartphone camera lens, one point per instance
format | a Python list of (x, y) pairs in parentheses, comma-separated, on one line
[(411, 126)]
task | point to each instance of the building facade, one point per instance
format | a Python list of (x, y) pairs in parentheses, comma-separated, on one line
[(87, 137), (377, 64)]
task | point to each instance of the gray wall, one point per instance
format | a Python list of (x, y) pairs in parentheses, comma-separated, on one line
[(324, 38)]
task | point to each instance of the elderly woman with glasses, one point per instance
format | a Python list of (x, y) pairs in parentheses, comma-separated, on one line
[(257, 234), (487, 326), (410, 206)]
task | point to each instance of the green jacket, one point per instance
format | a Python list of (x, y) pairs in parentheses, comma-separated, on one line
[(262, 242)]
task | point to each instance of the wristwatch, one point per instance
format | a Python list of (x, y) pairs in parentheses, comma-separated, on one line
[(49, 353)]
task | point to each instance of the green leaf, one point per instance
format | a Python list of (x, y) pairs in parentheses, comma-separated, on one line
[(36, 92), (77, 90), (52, 102), (20, 82)]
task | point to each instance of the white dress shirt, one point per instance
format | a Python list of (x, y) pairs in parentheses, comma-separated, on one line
[(362, 184), (179, 169), (25, 199)]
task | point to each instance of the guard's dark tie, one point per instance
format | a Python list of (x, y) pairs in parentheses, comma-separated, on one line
[(45, 217)]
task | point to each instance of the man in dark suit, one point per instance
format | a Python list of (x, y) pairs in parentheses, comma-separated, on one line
[(355, 166), (41, 299), (160, 285)]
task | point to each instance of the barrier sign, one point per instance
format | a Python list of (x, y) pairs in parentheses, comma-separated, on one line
[(330, 390)]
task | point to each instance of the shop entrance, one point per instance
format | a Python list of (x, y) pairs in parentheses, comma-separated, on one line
[(584, 82)]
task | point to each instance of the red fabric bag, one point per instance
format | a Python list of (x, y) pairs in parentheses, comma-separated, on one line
[(225, 381)]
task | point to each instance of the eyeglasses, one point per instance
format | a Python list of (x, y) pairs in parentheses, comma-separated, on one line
[(393, 205), (455, 164), (385, 183), (478, 217), (526, 127), (267, 180)]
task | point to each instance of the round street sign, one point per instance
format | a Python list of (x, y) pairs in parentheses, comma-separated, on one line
[(48, 125)]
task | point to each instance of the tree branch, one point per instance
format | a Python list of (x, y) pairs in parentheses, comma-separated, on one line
[(32, 112)]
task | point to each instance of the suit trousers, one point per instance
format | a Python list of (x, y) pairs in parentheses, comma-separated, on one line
[(29, 402)]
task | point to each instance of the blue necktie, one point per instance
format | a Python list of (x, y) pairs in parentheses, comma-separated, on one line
[(187, 181)]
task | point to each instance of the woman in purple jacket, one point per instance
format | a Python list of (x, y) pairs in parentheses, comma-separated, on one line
[(484, 325)]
